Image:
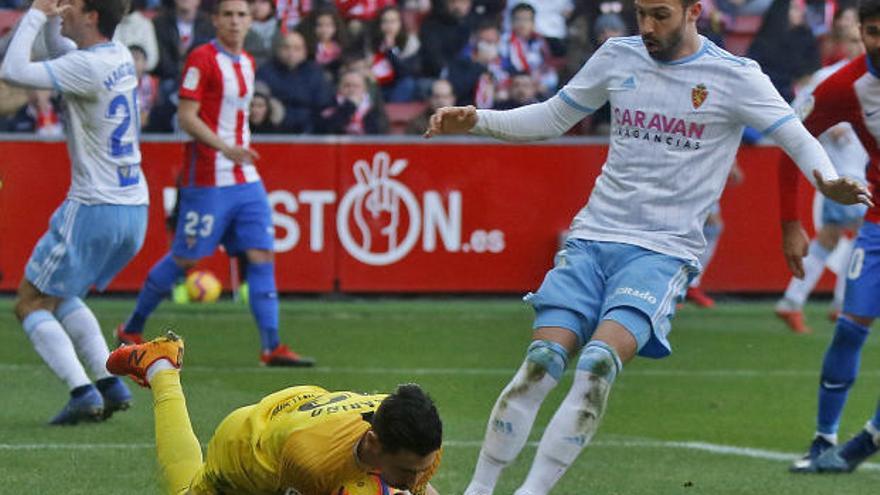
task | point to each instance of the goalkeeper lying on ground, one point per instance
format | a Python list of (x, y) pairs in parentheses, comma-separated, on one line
[(300, 440)]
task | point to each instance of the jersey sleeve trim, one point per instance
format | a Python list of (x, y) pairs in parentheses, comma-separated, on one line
[(577, 106), (779, 123), (54, 79)]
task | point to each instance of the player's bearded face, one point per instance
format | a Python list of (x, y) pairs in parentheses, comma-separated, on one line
[(662, 26), (870, 31)]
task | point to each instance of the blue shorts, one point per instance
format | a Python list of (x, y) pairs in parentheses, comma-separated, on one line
[(85, 246), (834, 213), (862, 296), (595, 277), (236, 216)]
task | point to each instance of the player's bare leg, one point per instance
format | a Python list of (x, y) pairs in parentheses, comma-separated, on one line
[(263, 300), (790, 308), (578, 417), (515, 410)]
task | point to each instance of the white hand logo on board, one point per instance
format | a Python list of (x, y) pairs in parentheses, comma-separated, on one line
[(378, 204)]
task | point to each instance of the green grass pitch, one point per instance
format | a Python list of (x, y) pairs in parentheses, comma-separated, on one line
[(724, 415)]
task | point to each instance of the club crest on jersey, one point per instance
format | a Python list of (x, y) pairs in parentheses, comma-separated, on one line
[(698, 95)]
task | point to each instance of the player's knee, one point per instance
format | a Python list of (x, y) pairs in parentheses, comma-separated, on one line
[(600, 359), (841, 364), (850, 333), (185, 263), (26, 304), (260, 256), (546, 357), (68, 306), (861, 321)]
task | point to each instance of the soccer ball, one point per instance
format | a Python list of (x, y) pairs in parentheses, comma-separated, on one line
[(202, 286), (369, 485)]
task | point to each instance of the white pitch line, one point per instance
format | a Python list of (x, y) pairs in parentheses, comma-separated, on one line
[(718, 373), (710, 448)]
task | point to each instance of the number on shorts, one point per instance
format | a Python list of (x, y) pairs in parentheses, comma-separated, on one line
[(855, 264), (196, 225)]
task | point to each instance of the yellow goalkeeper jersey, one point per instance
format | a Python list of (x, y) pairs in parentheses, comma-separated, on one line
[(300, 440)]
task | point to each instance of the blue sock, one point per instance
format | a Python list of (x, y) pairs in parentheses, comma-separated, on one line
[(159, 283), (264, 302), (839, 370)]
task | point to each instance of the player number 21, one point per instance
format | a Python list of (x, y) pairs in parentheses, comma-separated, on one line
[(196, 225), (117, 147)]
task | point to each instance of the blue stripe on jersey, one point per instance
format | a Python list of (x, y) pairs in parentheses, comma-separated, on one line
[(690, 58), (106, 44), (718, 52), (52, 76), (776, 125), (577, 106)]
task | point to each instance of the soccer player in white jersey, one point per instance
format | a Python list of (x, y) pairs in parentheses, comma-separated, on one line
[(101, 224), (679, 105)]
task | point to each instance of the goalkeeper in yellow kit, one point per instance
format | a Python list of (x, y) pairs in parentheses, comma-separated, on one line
[(298, 441)]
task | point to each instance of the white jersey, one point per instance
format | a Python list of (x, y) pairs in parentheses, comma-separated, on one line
[(840, 141), (675, 130), (99, 89)]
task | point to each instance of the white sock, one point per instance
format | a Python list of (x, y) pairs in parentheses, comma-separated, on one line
[(159, 365), (509, 426), (830, 437), (55, 347), (85, 332), (574, 423), (814, 265), (840, 283)]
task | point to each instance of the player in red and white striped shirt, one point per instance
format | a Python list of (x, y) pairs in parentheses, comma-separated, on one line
[(222, 199)]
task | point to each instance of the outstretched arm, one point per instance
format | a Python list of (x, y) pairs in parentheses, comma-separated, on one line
[(545, 120)]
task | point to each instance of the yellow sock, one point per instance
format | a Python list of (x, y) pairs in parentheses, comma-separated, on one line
[(180, 455)]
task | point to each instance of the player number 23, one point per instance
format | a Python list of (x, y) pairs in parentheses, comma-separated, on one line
[(198, 225)]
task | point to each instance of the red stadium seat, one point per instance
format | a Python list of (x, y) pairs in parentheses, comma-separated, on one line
[(399, 114), (8, 18)]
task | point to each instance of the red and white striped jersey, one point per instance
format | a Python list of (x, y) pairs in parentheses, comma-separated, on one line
[(852, 94), (223, 84)]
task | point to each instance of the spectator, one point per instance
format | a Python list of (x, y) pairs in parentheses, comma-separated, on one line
[(266, 112), (395, 57), (594, 9), (523, 91), (12, 100), (326, 37), (444, 34), (148, 84), (743, 7), (178, 30), (524, 50), (785, 46), (608, 26), (551, 20), (136, 29), (40, 116), (362, 10), (354, 112), (297, 82), (479, 76), (442, 95), (264, 29), (836, 47), (291, 13)]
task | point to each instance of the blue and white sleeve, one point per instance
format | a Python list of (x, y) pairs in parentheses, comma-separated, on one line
[(756, 102)]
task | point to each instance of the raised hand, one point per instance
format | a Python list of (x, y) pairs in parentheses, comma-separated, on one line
[(843, 190), (452, 120), (51, 7)]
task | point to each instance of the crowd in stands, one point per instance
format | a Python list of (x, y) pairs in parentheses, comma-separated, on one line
[(381, 66)]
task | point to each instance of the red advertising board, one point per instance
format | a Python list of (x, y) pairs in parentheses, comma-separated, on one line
[(402, 216)]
